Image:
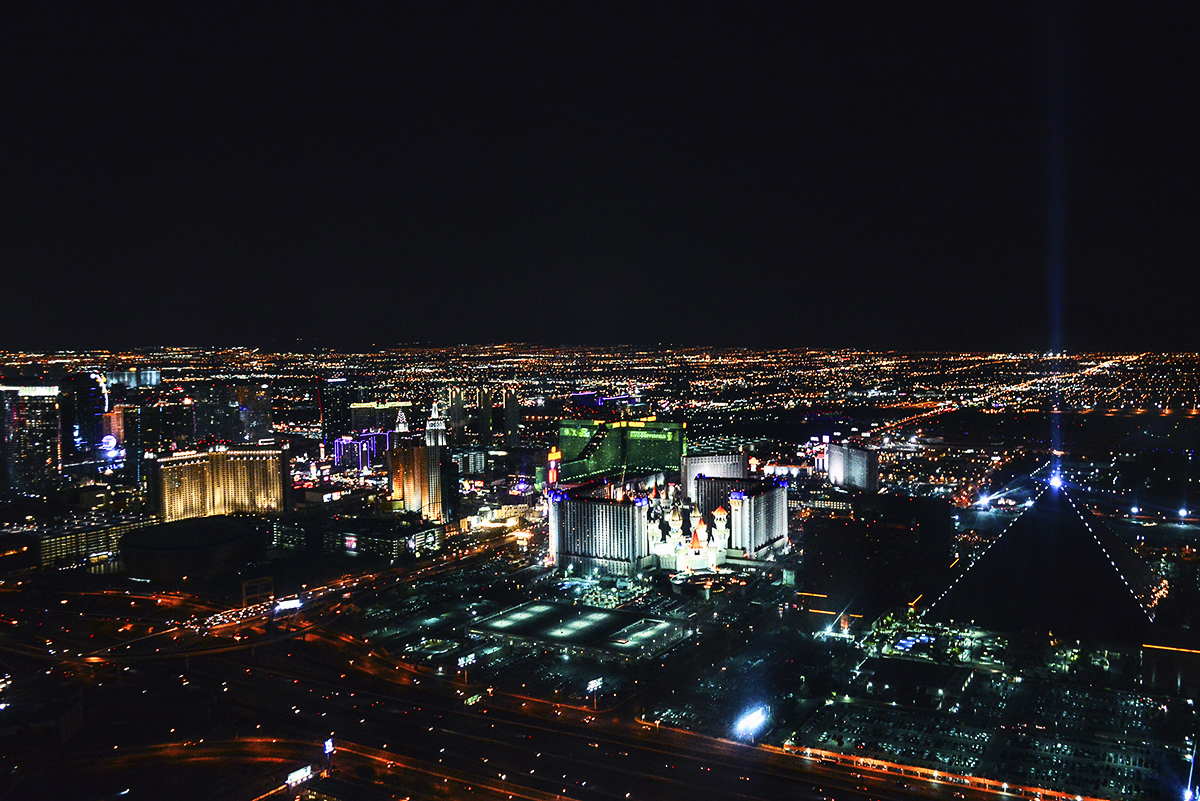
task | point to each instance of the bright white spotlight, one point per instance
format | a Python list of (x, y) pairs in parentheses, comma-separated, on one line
[(1056, 481), (1134, 510), (1183, 512), (751, 722), (985, 499)]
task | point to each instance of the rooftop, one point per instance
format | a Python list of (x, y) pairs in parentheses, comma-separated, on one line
[(617, 632)]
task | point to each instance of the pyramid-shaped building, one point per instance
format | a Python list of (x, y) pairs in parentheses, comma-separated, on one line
[(1057, 569)]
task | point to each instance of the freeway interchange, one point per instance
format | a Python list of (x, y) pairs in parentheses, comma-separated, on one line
[(212, 704)]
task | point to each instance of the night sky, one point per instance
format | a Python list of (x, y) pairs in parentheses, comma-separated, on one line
[(774, 174)]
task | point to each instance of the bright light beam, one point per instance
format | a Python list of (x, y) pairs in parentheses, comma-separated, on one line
[(1056, 140)]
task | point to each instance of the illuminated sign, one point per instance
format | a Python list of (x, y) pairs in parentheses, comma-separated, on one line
[(751, 722), (576, 432), (299, 776), (594, 685), (108, 442), (351, 542), (463, 661), (290, 603), (329, 746), (663, 435)]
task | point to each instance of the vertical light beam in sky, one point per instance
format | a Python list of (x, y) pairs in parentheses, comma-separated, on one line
[(1055, 198)]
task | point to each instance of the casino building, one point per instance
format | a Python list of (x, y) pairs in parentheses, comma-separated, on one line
[(238, 479)]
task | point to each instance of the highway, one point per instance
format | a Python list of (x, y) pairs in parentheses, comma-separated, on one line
[(537, 751), (236, 717)]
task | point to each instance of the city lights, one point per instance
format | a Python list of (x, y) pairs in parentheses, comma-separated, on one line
[(401, 384), (604, 523)]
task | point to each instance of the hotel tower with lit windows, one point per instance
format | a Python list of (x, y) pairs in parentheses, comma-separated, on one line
[(242, 479)]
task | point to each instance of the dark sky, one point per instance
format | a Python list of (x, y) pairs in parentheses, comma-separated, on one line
[(790, 174)]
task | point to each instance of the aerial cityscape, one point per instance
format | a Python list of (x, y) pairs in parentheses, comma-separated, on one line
[(542, 572), (600, 401)]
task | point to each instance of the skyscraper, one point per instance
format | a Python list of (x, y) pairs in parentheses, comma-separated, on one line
[(254, 411), (30, 440), (415, 474), (138, 436), (713, 465), (221, 482), (457, 422), (143, 377), (600, 534), (512, 419), (334, 396), (756, 510), (83, 400), (435, 428), (757, 519), (217, 412), (484, 419), (853, 467), (173, 424)]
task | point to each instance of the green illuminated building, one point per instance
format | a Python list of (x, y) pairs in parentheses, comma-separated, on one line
[(590, 449)]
